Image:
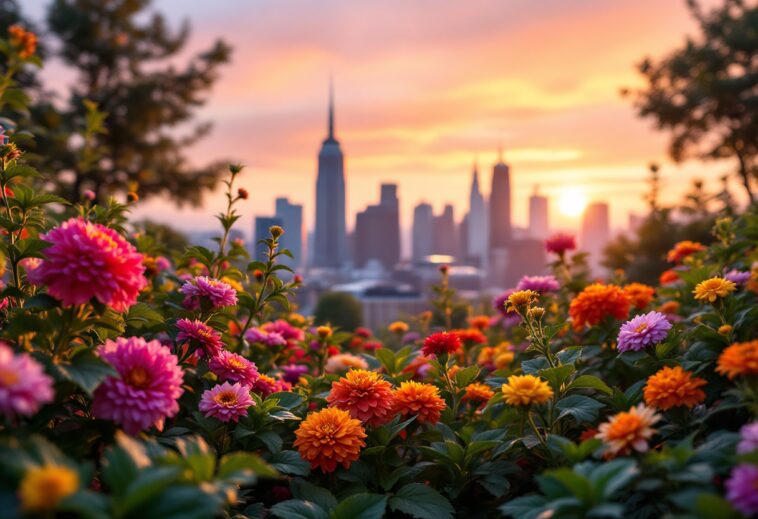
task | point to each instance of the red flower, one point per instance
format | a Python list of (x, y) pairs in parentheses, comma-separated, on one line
[(441, 342)]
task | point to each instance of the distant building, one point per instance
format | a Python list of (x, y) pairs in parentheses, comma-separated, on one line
[(477, 228), (526, 257), (445, 235), (330, 241), (261, 232), (595, 234), (423, 232), (377, 231), (384, 302), (500, 206), (538, 219), (291, 216)]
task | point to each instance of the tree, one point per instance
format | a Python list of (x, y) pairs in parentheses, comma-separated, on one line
[(339, 309), (706, 93), (126, 63)]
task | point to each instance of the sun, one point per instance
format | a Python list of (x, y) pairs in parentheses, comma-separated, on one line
[(572, 202)]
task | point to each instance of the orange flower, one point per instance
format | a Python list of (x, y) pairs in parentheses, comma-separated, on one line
[(596, 302), (628, 430), (398, 327), (422, 400), (470, 336), (478, 392), (344, 361), (711, 289), (639, 295), (668, 277), (365, 395), (24, 40), (683, 249), (669, 307), (521, 299), (740, 358), (526, 390), (673, 387), (480, 322), (329, 437)]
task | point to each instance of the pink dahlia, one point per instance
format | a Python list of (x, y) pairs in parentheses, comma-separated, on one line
[(264, 337), (203, 288), (230, 366), (226, 401), (285, 329), (541, 284), (89, 260), (205, 340), (147, 388), (24, 386), (560, 243)]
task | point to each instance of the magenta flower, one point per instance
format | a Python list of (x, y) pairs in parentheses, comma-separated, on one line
[(226, 401), (203, 288), (292, 372), (24, 385), (147, 388), (285, 329), (264, 337), (741, 489), (230, 366), (541, 284), (89, 260), (199, 335), (748, 439), (560, 243), (643, 331), (499, 302)]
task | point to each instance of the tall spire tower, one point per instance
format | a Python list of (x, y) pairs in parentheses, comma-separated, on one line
[(477, 235), (500, 205), (330, 239)]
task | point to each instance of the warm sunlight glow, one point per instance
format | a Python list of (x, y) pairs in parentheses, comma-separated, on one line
[(572, 202)]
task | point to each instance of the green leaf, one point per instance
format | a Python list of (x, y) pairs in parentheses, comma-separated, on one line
[(610, 477), (302, 489), (297, 509), (86, 504), (361, 506), (590, 382), (20, 170), (184, 502), (712, 506), (86, 370), (467, 375), (244, 467), (290, 462), (582, 408), (557, 376), (287, 399), (421, 501), (141, 315), (151, 482), (526, 507)]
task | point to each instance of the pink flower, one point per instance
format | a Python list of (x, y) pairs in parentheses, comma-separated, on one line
[(560, 243), (230, 366), (264, 337), (266, 385), (162, 263), (199, 335), (226, 401), (24, 386), (89, 260), (203, 288), (285, 329), (147, 388)]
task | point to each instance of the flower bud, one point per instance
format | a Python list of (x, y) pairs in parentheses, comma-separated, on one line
[(324, 332), (242, 193), (275, 231)]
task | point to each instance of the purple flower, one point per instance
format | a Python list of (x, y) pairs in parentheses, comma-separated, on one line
[(284, 329), (264, 337), (203, 288), (226, 401), (24, 385), (292, 372), (741, 489), (199, 335), (410, 337), (643, 331), (748, 438), (230, 366), (499, 301), (541, 284), (738, 277)]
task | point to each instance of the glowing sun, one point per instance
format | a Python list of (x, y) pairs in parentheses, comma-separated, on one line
[(572, 202)]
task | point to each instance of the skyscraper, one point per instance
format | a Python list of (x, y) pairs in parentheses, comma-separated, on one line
[(477, 232), (423, 231), (291, 216), (538, 219), (377, 231), (596, 232), (500, 206), (445, 235), (262, 225), (330, 240)]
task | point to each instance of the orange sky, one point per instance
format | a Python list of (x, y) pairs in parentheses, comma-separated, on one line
[(424, 88)]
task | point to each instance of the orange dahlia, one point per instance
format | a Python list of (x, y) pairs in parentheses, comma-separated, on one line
[(668, 277), (470, 336), (363, 394), (669, 307), (328, 437), (596, 302), (639, 294), (740, 358), (398, 327), (478, 392), (683, 249), (526, 390), (480, 322), (422, 400), (628, 430), (673, 387)]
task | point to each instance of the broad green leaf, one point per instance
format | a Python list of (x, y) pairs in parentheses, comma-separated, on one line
[(361, 506), (298, 509), (421, 501)]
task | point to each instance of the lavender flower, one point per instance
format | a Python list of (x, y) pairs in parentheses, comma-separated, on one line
[(292, 372), (738, 277), (741, 489), (748, 438), (541, 284), (643, 331)]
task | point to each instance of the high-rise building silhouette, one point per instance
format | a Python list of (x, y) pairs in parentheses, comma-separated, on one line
[(501, 230), (477, 229), (538, 219), (596, 232), (261, 232), (445, 233), (330, 240), (377, 231), (291, 216), (423, 232)]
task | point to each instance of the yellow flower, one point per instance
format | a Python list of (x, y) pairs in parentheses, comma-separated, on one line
[(398, 327), (725, 329), (521, 298), (42, 488), (324, 332), (526, 390), (236, 285), (712, 289)]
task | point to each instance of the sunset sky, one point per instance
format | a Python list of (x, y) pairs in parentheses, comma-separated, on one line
[(426, 87)]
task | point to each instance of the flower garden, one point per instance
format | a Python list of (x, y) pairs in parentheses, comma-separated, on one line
[(140, 382)]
